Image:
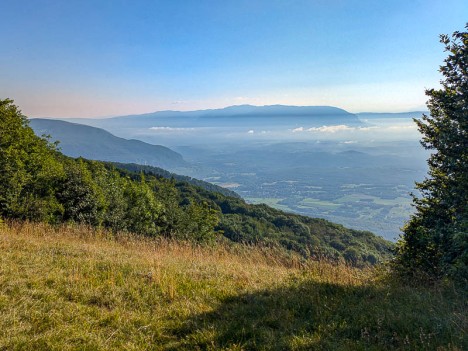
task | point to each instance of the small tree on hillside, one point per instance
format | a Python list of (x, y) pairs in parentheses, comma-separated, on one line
[(435, 240)]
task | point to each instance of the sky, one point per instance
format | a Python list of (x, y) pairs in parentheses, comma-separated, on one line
[(106, 58)]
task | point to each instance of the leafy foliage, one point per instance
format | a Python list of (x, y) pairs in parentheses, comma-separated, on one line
[(133, 167), (435, 240), (29, 169), (40, 184), (79, 194)]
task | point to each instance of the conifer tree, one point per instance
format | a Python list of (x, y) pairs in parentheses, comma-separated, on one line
[(435, 240)]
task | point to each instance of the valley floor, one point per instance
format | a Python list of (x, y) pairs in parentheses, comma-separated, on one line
[(70, 288)]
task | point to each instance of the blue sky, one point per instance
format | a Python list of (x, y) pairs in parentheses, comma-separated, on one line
[(102, 58)]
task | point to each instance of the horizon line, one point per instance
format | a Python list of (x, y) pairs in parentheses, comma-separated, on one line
[(223, 108)]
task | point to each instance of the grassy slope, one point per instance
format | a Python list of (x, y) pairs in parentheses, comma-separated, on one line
[(73, 289)]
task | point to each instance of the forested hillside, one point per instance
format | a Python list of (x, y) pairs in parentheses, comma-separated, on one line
[(39, 183), (261, 224), (133, 167)]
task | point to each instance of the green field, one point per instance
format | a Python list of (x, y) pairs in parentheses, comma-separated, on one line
[(311, 202), (360, 211)]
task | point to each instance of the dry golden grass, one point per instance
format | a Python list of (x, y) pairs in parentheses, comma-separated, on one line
[(74, 288)]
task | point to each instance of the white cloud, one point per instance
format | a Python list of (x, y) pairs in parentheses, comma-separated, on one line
[(366, 129), (171, 129), (336, 128), (331, 129), (296, 130), (251, 131), (396, 128)]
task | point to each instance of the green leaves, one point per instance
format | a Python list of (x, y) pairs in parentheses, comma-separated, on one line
[(79, 194), (39, 184), (200, 221), (143, 210), (29, 168), (434, 240)]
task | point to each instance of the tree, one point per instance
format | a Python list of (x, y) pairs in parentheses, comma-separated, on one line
[(200, 221), (79, 194), (29, 169), (435, 240), (143, 210)]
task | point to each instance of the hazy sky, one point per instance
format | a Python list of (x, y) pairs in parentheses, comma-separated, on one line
[(100, 58)]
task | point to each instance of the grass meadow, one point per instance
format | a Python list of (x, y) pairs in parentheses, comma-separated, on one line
[(74, 288)]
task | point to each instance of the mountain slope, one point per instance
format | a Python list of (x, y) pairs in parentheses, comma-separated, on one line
[(38, 183), (242, 123), (133, 167), (97, 144), (264, 225)]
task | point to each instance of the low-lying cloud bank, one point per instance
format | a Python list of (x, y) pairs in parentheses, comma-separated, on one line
[(345, 128), (171, 129)]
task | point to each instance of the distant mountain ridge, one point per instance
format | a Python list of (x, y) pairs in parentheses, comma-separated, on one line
[(239, 115), (94, 143), (248, 110)]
